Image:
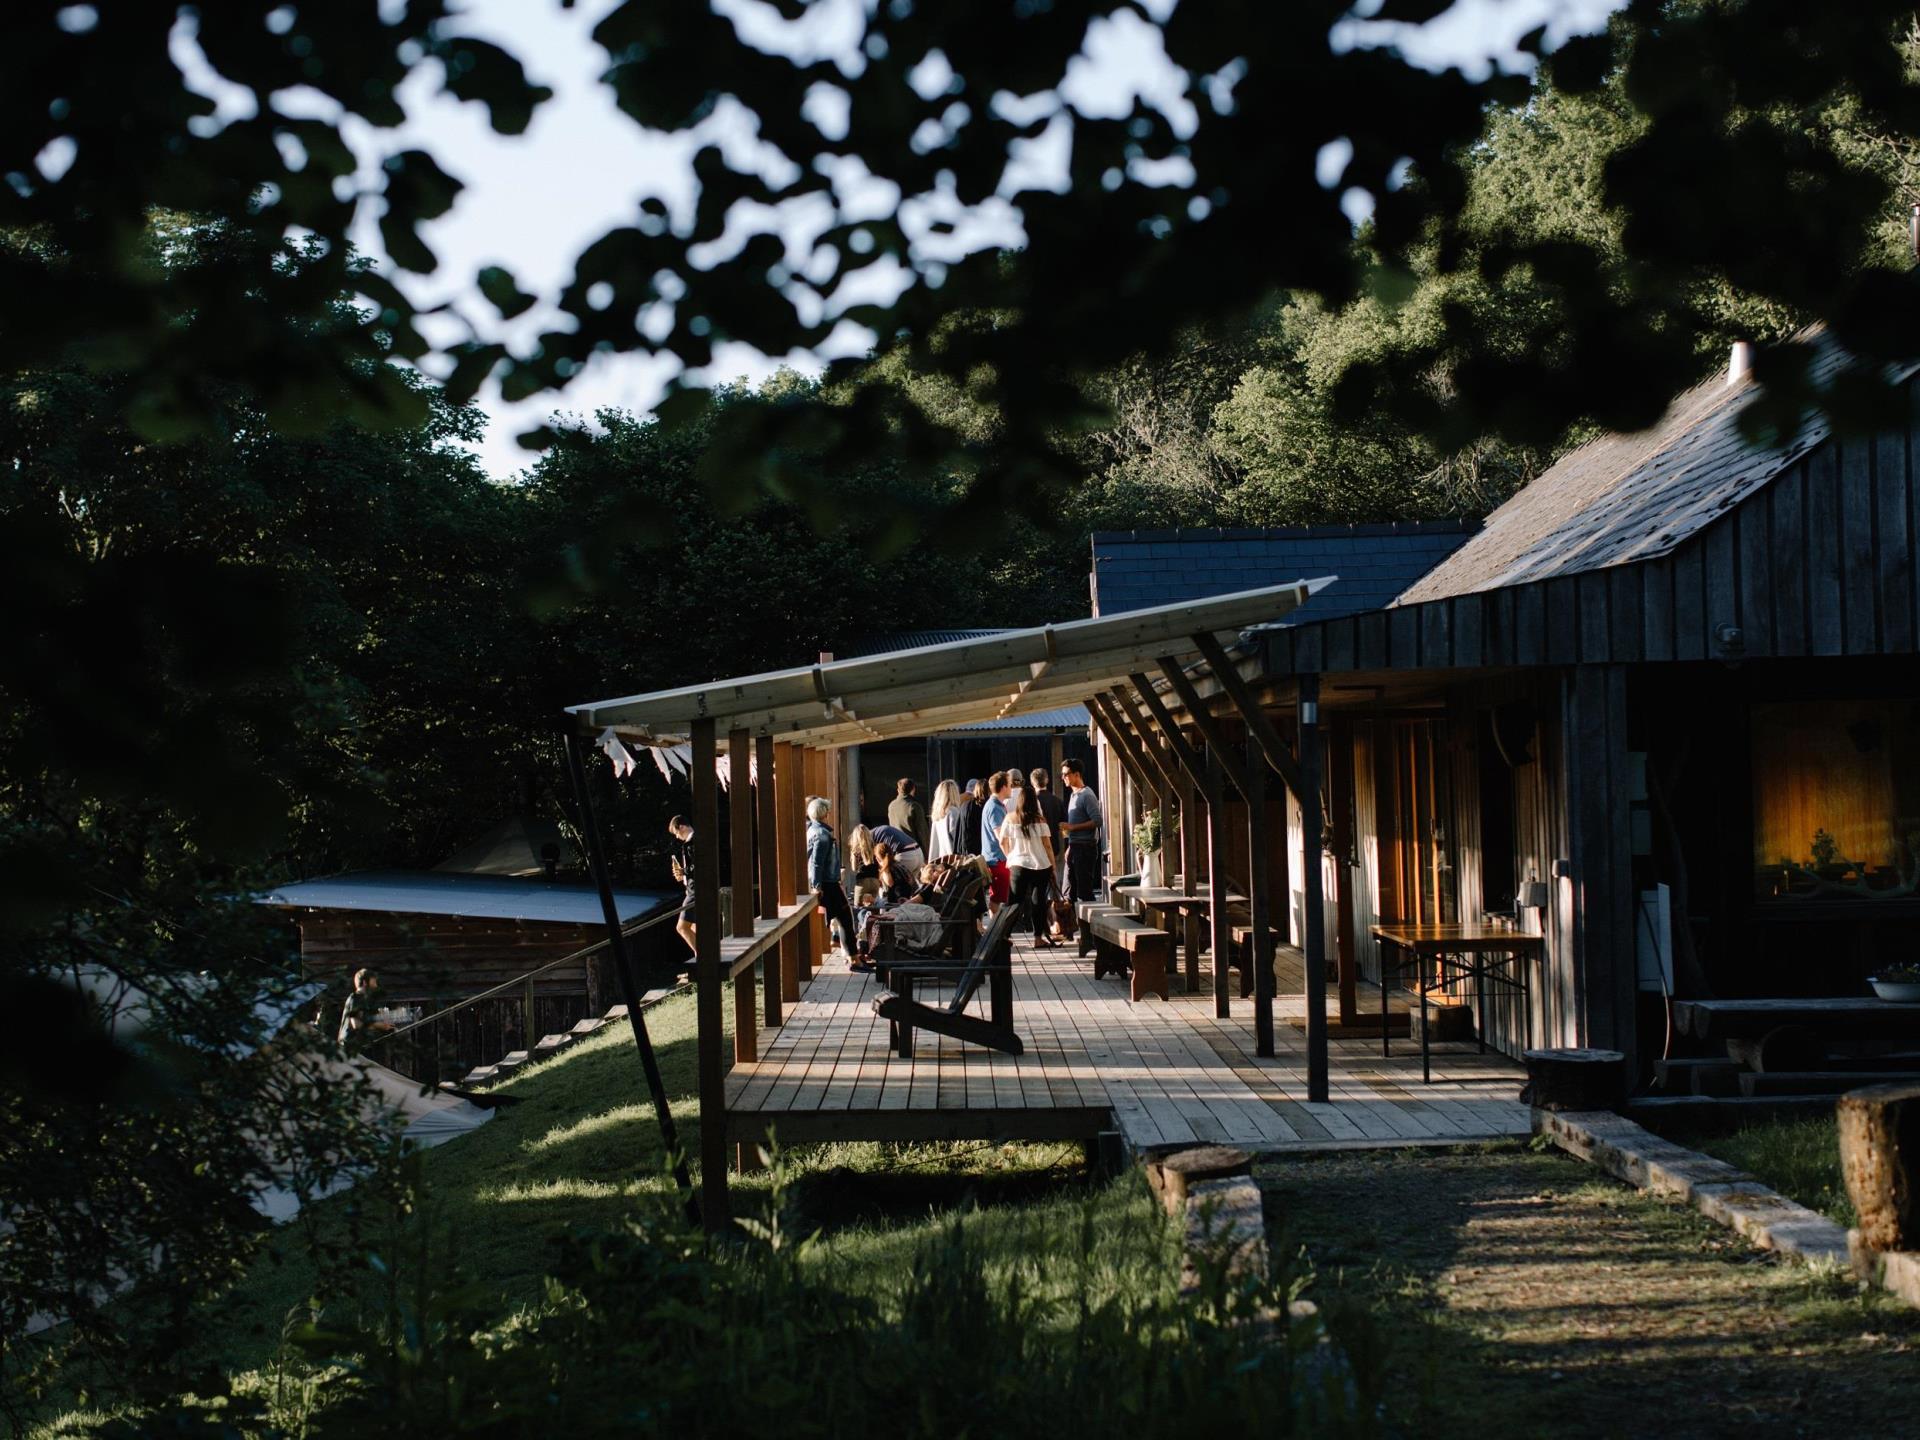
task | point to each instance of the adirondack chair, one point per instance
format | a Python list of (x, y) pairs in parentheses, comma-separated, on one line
[(991, 965), (959, 909)]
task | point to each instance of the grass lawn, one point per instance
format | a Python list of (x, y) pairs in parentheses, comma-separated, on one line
[(1799, 1158), (1516, 1293), (581, 1149)]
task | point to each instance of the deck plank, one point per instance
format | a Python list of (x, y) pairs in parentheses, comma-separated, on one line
[(1162, 1071)]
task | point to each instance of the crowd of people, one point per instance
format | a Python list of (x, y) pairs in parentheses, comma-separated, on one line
[(1037, 848)]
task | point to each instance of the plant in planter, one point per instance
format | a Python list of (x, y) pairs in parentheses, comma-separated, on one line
[(1146, 839), (1897, 982)]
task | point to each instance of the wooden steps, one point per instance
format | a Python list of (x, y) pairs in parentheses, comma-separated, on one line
[(1817, 1082), (1697, 1075)]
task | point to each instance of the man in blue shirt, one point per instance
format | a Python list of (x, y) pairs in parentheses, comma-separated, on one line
[(1082, 828), (906, 850), (991, 816)]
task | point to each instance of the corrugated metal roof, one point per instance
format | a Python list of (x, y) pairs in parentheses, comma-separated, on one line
[(480, 897), (908, 640), (1134, 569), (1623, 498), (1067, 717)]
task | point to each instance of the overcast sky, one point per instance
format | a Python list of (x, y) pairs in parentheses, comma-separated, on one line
[(533, 201)]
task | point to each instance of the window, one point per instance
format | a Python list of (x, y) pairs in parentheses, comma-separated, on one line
[(1836, 799)]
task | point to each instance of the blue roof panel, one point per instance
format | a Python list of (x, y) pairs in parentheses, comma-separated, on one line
[(1134, 569)]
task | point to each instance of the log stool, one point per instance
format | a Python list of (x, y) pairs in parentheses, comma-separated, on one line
[(1172, 1175), (1575, 1079), (1880, 1158)]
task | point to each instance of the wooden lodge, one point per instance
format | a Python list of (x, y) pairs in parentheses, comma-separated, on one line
[(1635, 765), (437, 937)]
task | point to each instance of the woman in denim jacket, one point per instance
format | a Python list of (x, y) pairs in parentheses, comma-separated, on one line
[(823, 872)]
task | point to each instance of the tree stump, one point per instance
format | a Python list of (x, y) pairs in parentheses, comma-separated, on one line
[(1880, 1158), (1575, 1079), (1173, 1175)]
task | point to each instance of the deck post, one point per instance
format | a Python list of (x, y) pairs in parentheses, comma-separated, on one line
[(1259, 900), (1190, 881), (1339, 763), (1311, 871), (706, 919), (765, 831), (740, 830), (789, 831), (1219, 885), (629, 992)]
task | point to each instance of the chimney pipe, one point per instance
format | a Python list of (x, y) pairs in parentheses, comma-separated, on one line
[(1740, 363)]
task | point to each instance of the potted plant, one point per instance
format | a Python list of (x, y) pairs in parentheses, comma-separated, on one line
[(1146, 839), (1897, 982)]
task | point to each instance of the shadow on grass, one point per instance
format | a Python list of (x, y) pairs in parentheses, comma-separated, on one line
[(879, 1185)]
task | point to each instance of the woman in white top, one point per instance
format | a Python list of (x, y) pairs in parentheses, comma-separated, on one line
[(1026, 838), (946, 819)]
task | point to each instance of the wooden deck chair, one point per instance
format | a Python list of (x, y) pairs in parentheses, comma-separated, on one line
[(959, 912), (991, 965)]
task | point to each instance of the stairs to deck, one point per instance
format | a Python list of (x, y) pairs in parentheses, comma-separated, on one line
[(514, 1061)]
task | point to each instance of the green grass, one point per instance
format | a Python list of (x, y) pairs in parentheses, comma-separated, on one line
[(1799, 1158), (581, 1151)]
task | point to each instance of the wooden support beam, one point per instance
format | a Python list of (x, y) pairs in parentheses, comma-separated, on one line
[(766, 851), (1219, 887), (1259, 902), (789, 833), (1167, 771), (740, 831), (818, 780), (1244, 700), (1314, 942), (1190, 828), (623, 971), (1122, 744), (1184, 754), (1339, 762), (1204, 722), (706, 919)]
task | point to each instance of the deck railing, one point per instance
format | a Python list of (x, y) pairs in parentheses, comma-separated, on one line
[(522, 983)]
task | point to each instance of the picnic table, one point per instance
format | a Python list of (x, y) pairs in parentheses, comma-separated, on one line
[(1484, 954)]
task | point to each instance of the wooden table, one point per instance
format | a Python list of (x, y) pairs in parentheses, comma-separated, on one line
[(1481, 953), (1749, 1019)]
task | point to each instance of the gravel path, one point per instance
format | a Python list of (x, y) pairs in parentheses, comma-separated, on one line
[(1505, 1293)]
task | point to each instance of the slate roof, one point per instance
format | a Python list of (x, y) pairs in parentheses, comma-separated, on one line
[(1623, 498), (480, 897), (1133, 569)]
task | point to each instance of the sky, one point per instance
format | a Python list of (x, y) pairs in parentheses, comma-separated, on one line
[(533, 201)]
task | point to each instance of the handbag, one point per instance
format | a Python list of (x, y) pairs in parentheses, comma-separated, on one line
[(1064, 923)]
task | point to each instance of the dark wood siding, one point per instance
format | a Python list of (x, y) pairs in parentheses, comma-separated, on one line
[(1821, 561)]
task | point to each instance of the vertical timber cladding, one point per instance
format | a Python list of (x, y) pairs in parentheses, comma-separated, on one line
[(1601, 884)]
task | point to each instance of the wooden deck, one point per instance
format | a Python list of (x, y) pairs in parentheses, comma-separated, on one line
[(1159, 1072)]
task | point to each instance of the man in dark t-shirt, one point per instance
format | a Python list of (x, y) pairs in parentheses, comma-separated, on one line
[(1082, 829)]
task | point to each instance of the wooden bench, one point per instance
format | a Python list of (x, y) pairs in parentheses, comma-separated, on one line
[(1123, 945)]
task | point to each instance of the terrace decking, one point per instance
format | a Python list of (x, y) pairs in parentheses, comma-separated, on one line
[(1160, 1072)]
